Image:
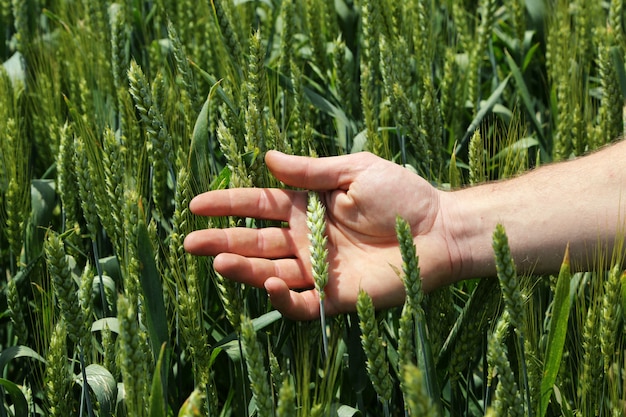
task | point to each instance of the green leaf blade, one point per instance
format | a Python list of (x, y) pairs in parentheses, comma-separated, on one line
[(556, 336), (152, 288)]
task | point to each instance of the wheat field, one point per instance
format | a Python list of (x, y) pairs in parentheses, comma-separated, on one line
[(113, 115)]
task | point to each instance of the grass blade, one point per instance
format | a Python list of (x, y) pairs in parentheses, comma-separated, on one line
[(152, 291), (18, 352), (158, 402), (104, 387), (200, 149), (556, 336), (430, 370), (19, 401), (528, 105), (484, 109)]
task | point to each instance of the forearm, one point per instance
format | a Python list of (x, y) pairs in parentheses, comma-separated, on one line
[(580, 202)]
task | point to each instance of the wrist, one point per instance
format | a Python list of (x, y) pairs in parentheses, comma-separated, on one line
[(469, 227)]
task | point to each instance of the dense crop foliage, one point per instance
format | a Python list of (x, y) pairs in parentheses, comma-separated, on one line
[(113, 115)]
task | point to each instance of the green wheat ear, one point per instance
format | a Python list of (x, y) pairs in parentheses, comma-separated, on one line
[(507, 396), (20, 14), (477, 161), (85, 187), (132, 358), (109, 351), (58, 378), (611, 316), (113, 167), (483, 34), (507, 275), (16, 310), (418, 403), (317, 226), (513, 299), (66, 291), (17, 197), (286, 399), (454, 173), (590, 375), (159, 140), (410, 268), (413, 307), (316, 222), (257, 371), (239, 177), (610, 124), (120, 45), (183, 67), (373, 346)]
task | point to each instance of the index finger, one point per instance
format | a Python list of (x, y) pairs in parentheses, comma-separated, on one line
[(328, 173), (260, 203)]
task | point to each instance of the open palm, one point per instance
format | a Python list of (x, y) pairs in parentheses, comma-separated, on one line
[(363, 194)]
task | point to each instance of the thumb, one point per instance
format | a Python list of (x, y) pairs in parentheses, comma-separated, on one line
[(329, 173)]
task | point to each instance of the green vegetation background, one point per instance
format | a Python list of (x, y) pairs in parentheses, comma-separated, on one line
[(114, 114)]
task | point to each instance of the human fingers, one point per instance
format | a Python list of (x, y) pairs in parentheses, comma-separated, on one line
[(294, 305), (260, 203), (329, 173), (255, 271), (271, 242)]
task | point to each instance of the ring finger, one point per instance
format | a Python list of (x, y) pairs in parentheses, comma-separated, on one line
[(255, 271)]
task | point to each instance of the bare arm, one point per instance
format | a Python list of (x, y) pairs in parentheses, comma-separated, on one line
[(580, 202)]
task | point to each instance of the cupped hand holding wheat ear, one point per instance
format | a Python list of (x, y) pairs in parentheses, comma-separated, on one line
[(363, 194), (576, 201)]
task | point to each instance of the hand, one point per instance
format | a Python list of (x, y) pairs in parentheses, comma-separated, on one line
[(363, 194)]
